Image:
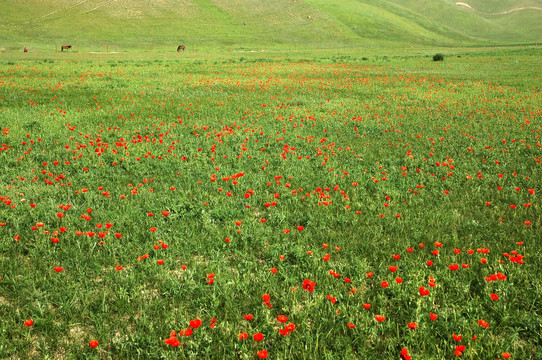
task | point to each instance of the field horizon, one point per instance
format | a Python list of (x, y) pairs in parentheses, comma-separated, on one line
[(277, 24)]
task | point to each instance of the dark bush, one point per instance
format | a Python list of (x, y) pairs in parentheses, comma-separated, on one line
[(438, 57)]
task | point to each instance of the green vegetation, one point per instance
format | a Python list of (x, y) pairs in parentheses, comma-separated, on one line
[(220, 25), (140, 192)]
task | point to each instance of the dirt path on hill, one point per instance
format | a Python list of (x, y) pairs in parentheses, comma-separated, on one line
[(500, 12)]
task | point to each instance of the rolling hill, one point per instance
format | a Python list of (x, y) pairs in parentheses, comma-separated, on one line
[(145, 24)]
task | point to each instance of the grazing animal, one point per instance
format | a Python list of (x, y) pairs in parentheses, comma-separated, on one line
[(181, 47), (65, 47), (25, 49)]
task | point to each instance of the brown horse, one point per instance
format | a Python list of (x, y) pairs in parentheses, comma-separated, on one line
[(181, 47), (65, 47)]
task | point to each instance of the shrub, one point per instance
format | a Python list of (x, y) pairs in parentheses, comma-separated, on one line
[(438, 57)]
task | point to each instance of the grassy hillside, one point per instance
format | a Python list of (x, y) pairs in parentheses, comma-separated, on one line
[(495, 22), (251, 24)]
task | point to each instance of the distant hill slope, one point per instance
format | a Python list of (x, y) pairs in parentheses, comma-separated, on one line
[(257, 23)]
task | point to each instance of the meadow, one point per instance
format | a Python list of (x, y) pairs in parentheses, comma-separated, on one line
[(281, 205)]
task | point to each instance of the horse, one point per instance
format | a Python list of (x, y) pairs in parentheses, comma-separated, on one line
[(65, 47), (181, 47)]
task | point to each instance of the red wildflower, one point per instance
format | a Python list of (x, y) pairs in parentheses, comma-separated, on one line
[(194, 324), (93, 343), (308, 285), (282, 318), (258, 337), (423, 291), (262, 354), (483, 323)]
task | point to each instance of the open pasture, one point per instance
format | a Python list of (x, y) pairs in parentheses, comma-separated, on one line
[(245, 207)]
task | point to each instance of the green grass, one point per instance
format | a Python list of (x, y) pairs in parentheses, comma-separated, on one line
[(348, 145), (214, 25)]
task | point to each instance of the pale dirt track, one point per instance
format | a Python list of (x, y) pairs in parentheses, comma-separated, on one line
[(500, 12)]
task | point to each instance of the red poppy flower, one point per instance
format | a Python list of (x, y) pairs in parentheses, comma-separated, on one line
[(243, 336), (93, 343), (248, 317), (282, 318), (262, 354), (308, 285), (29, 322), (367, 306), (483, 323), (380, 318), (300, 228), (351, 326), (404, 354), (194, 324), (412, 325), (433, 316), (159, 262), (258, 337), (423, 291), (58, 268), (494, 297), (173, 341)]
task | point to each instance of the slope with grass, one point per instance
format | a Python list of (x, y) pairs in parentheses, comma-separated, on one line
[(256, 24)]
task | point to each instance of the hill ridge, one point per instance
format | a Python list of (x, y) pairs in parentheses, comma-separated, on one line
[(275, 23)]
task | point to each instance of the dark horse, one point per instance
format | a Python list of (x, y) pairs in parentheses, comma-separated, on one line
[(65, 47), (181, 47)]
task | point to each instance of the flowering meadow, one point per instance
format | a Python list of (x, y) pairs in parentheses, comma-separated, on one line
[(327, 207)]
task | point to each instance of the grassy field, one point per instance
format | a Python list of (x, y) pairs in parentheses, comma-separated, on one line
[(133, 25), (313, 204)]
